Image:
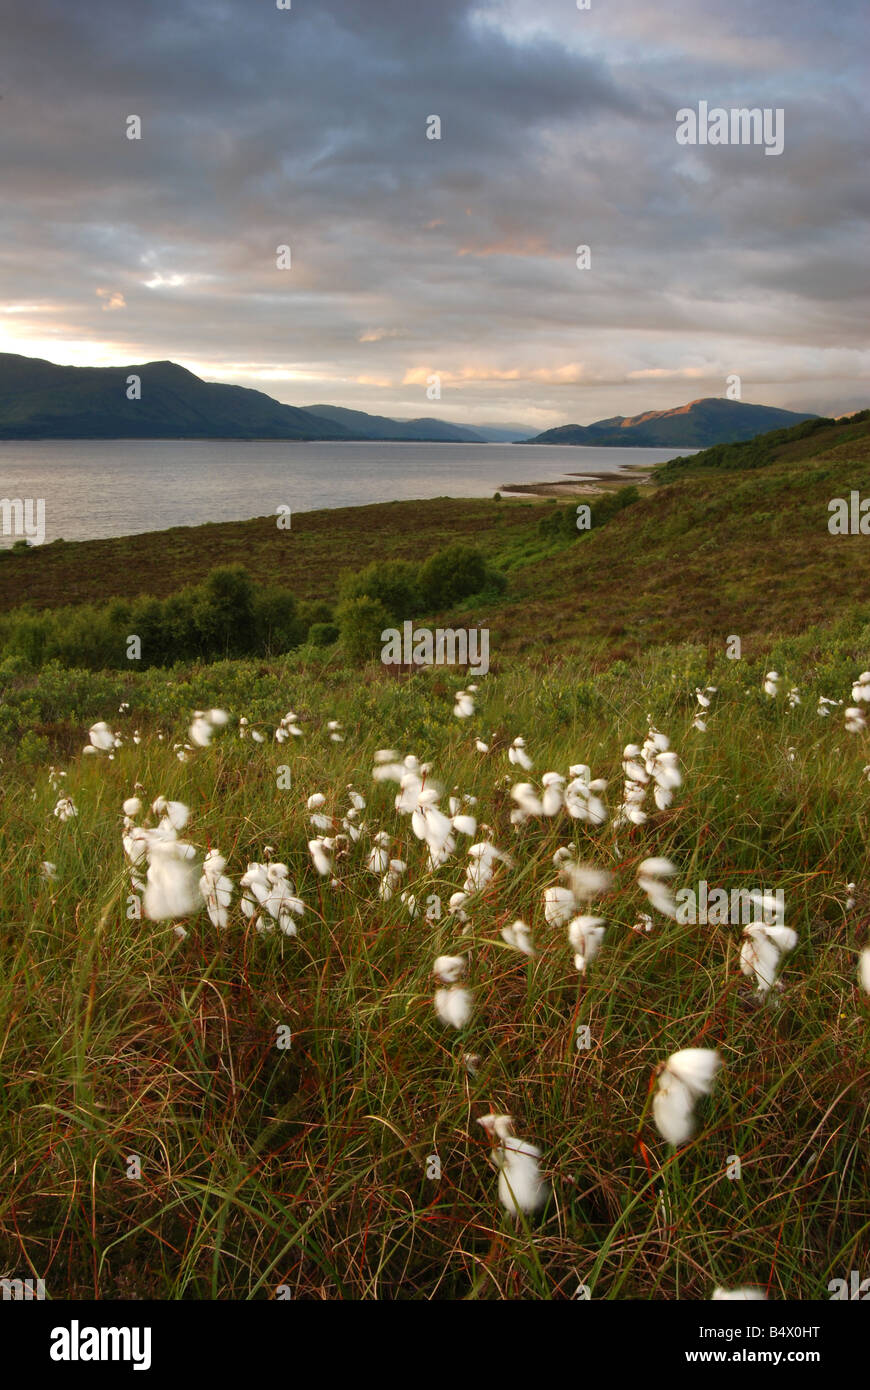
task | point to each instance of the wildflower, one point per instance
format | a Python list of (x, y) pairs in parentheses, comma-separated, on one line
[(651, 875), (269, 887), (582, 797), (180, 932), (585, 935), (553, 797), (321, 858), (335, 733), (102, 740), (449, 968), (391, 879), (520, 1185), (771, 684), (174, 814), (216, 888), (864, 970), (455, 906), (584, 883), (481, 870), (762, 951), (687, 1075), (454, 1005), (204, 724), (48, 871), (132, 806), (519, 937), (643, 924), (861, 688), (748, 1291), (823, 706), (481, 746), (855, 721), (528, 803), (319, 821), (172, 880), (464, 705), (518, 755), (378, 860), (793, 697), (850, 900), (65, 808)]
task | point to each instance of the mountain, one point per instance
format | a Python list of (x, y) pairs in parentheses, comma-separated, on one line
[(365, 426), (41, 400), (698, 425)]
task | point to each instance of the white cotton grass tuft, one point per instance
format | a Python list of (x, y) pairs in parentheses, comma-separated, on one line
[(66, 808), (449, 968), (517, 754), (864, 970), (861, 688), (454, 1006), (102, 739), (586, 934), (749, 1292), (687, 1076), (771, 684), (856, 722), (216, 889), (518, 935), (521, 1188), (463, 707), (652, 876), (172, 881), (268, 886), (762, 950), (204, 724)]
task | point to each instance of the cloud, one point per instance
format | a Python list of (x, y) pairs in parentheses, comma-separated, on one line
[(308, 127)]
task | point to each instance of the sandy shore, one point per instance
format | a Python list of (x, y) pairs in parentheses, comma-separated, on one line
[(586, 484)]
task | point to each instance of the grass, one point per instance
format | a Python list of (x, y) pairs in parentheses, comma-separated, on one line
[(304, 1167)]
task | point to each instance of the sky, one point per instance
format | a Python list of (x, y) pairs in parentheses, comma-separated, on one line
[(455, 258)]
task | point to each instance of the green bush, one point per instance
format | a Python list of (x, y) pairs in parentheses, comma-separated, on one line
[(394, 583), (361, 621)]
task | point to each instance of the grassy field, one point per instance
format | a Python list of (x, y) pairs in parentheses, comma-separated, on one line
[(308, 1166)]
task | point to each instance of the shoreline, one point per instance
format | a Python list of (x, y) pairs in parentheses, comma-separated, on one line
[(587, 484)]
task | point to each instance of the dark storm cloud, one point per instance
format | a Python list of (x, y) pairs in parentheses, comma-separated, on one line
[(456, 256)]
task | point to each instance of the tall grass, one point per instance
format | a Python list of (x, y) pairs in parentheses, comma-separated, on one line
[(305, 1167)]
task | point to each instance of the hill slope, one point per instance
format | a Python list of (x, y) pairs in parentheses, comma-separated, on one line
[(712, 420), (42, 400), (366, 426)]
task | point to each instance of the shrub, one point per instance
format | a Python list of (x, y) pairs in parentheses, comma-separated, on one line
[(361, 621), (394, 583)]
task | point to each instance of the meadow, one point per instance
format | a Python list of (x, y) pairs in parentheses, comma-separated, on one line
[(275, 1107)]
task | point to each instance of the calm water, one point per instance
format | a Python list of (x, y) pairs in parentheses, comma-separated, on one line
[(117, 487)]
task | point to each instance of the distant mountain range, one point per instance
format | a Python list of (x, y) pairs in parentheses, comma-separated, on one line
[(42, 400), (698, 425)]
